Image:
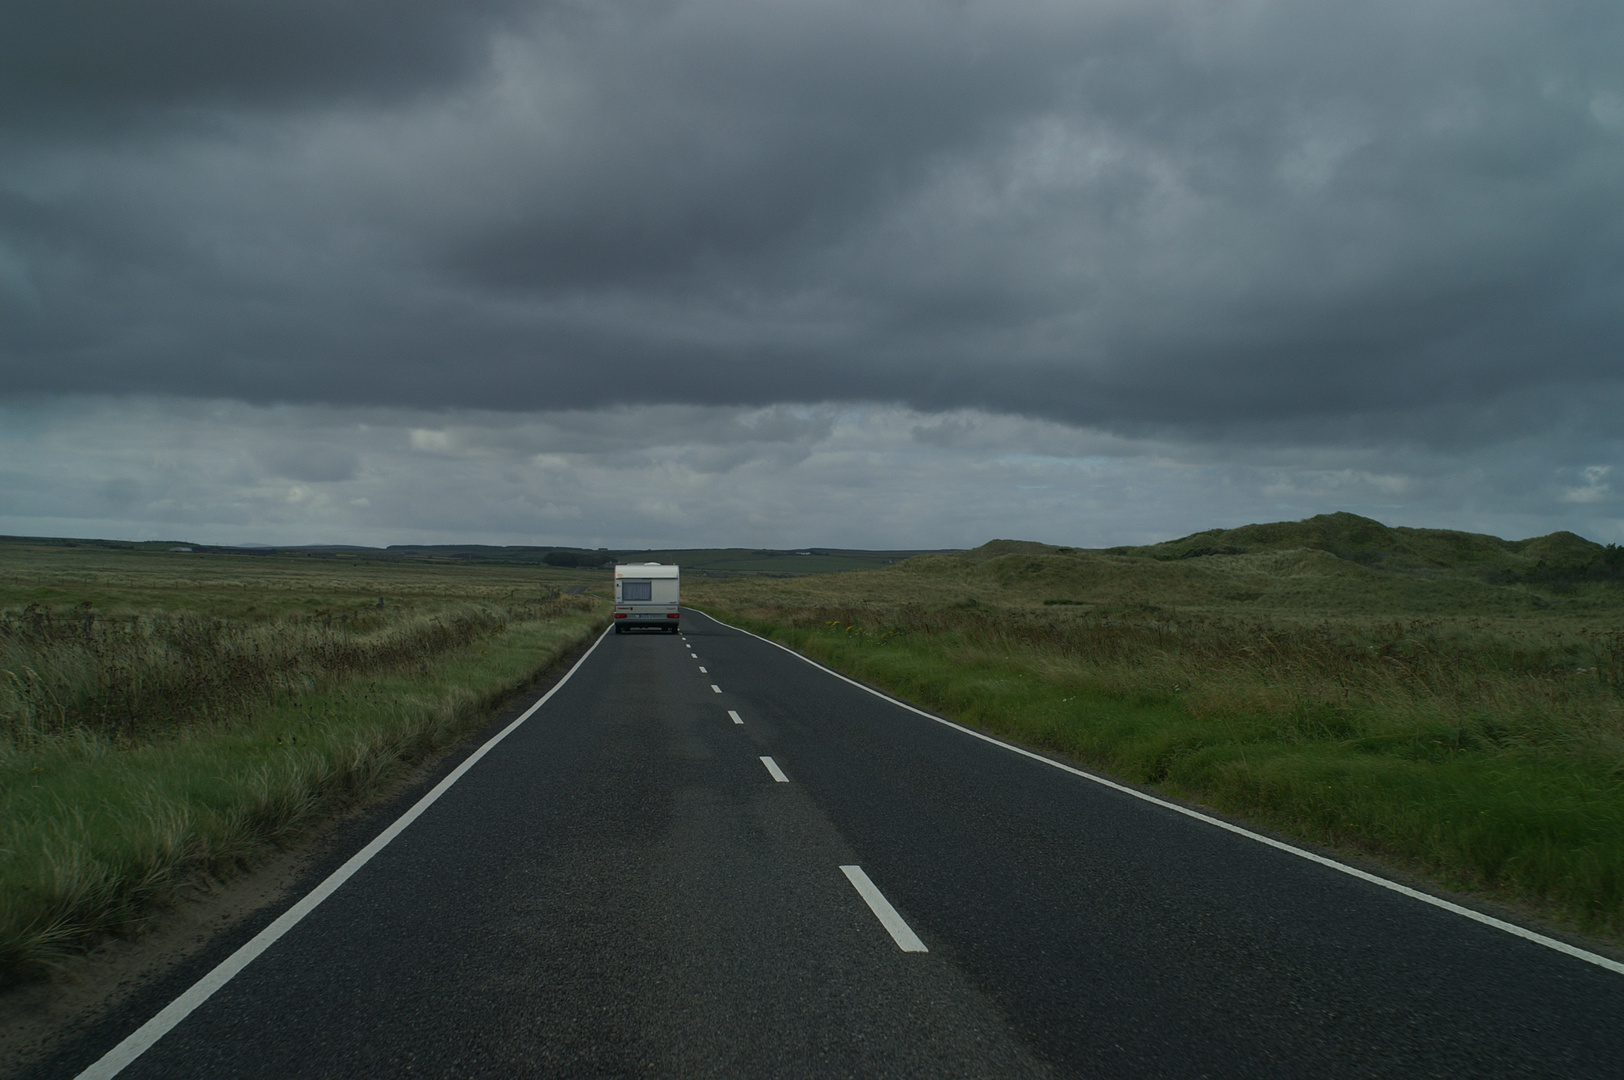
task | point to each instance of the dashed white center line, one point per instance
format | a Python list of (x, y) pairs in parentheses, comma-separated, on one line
[(702, 670), (715, 689), (905, 938), (735, 716), (693, 656), (778, 774)]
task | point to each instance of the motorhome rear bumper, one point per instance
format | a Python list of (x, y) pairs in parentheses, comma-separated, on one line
[(632, 617)]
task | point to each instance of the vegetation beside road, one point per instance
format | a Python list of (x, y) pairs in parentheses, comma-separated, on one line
[(167, 714), (1450, 704)]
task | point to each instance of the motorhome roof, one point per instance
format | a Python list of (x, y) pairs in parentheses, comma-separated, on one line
[(647, 570)]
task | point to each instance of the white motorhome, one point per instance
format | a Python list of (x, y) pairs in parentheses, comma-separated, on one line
[(647, 594)]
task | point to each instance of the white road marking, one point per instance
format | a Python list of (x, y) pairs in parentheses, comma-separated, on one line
[(715, 689), (735, 716), (906, 939), (693, 656), (1352, 871), (777, 773), (702, 670), (114, 1061)]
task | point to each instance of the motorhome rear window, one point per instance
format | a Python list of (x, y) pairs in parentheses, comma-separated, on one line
[(636, 590)]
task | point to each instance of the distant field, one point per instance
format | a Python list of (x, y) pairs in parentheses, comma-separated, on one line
[(1452, 704), (724, 561), (165, 714), (776, 563), (132, 579)]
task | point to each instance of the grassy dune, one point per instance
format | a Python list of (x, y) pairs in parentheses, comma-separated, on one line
[(1449, 703), (164, 715)]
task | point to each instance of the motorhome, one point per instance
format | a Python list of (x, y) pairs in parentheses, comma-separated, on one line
[(647, 594)]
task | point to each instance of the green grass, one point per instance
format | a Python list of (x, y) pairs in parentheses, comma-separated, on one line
[(158, 724), (1466, 726)]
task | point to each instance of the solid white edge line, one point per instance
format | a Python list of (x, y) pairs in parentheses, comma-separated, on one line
[(777, 773), (894, 924), (735, 717), (114, 1061), (1352, 871)]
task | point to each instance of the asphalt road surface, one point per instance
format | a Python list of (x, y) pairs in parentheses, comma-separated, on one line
[(705, 857)]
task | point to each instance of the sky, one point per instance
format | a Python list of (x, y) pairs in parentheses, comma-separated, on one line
[(662, 273)]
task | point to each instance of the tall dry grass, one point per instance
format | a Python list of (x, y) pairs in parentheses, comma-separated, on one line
[(137, 752), (134, 677)]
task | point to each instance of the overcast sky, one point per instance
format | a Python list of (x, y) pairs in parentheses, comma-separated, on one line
[(780, 274)]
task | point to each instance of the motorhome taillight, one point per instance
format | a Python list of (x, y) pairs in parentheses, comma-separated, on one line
[(671, 614)]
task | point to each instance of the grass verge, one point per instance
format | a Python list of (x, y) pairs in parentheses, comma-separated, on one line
[(96, 829)]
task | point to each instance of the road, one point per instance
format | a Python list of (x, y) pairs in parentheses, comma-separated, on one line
[(655, 875)]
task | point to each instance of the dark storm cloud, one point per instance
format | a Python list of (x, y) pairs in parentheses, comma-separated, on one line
[(1310, 219), (65, 63)]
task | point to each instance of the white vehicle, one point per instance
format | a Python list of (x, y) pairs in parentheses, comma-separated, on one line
[(646, 594)]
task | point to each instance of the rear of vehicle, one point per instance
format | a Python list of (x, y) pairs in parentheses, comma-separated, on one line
[(647, 595)]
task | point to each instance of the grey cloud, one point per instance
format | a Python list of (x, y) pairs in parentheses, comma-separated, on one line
[(1276, 221), (716, 138), (121, 491), (298, 461), (93, 67), (947, 431), (707, 439)]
